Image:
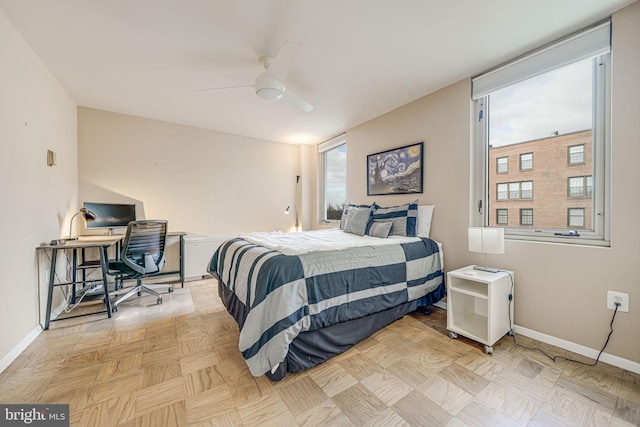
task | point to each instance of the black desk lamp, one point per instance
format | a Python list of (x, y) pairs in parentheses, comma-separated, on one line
[(88, 217)]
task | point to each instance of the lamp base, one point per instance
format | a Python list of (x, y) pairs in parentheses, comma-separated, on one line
[(487, 269)]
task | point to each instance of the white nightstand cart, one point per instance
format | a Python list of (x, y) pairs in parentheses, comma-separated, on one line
[(478, 305)]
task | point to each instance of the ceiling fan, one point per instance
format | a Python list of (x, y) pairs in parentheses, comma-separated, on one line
[(270, 84)]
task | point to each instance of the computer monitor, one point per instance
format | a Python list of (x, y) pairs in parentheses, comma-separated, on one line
[(110, 215)]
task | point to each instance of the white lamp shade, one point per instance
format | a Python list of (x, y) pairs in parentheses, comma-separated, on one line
[(486, 240)]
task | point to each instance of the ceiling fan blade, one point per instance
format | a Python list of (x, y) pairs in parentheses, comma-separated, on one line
[(297, 101), (283, 62), (211, 89)]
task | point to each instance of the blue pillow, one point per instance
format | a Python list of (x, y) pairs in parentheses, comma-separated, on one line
[(404, 218)]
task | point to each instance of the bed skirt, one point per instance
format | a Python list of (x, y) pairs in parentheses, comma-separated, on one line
[(311, 348)]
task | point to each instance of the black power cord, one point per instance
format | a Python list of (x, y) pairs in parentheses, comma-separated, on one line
[(554, 358)]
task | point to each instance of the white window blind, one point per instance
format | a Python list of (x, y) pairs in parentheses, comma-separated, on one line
[(587, 44), (332, 143)]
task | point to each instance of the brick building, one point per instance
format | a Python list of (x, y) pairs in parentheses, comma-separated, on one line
[(545, 183)]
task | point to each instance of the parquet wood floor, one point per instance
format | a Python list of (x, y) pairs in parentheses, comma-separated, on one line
[(186, 370)]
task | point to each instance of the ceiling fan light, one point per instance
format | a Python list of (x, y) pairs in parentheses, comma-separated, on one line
[(269, 88), (269, 93)]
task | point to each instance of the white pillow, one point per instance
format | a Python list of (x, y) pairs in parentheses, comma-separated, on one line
[(425, 213)]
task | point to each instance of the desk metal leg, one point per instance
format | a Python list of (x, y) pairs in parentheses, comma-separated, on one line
[(74, 276), (182, 260), (105, 284), (52, 278)]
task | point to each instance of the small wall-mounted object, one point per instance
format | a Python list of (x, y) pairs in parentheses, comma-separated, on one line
[(51, 158)]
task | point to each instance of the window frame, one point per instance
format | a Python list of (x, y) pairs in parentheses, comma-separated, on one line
[(530, 167), (499, 216), (601, 129), (522, 211), (587, 190), (569, 216), (323, 148), (569, 162), (506, 158)]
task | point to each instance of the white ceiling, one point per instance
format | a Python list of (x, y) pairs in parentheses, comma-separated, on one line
[(359, 58)]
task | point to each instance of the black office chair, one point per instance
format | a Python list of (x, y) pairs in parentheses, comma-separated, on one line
[(142, 256)]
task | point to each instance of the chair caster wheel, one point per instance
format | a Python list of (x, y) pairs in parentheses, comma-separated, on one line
[(170, 290), (453, 335), (488, 349), (159, 301), (114, 309)]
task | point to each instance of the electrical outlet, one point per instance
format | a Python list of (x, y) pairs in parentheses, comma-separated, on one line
[(614, 297)]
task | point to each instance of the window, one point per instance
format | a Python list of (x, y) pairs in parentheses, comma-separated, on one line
[(580, 186), (502, 191), (526, 190), (553, 102), (526, 161), (515, 190), (502, 216), (502, 165), (576, 154), (333, 161), (576, 217), (526, 216)]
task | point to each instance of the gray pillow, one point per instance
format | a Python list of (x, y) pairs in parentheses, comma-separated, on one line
[(357, 220), (380, 229), (346, 209)]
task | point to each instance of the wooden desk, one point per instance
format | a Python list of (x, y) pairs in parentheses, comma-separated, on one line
[(102, 245), (119, 237)]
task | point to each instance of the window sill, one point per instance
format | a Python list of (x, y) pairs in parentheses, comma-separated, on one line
[(546, 237)]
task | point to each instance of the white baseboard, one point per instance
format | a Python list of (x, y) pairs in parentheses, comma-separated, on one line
[(579, 349), (22, 345), (611, 359)]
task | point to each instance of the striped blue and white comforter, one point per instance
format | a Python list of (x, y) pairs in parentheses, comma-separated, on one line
[(284, 295)]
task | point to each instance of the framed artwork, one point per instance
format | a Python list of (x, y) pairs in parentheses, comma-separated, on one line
[(396, 171)]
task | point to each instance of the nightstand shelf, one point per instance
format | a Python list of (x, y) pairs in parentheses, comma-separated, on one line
[(478, 305)]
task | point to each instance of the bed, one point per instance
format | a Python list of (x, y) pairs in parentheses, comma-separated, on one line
[(302, 298)]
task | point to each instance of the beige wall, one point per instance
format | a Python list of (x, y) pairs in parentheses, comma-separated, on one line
[(201, 181), (442, 121), (36, 114), (560, 289)]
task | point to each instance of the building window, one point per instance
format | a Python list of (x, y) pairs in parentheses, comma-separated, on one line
[(576, 154), (580, 186), (515, 190), (551, 102), (502, 216), (333, 161), (526, 217), (526, 161), (502, 165), (502, 191), (576, 217), (526, 190)]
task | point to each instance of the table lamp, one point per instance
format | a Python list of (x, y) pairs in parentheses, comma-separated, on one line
[(88, 217), (487, 241)]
